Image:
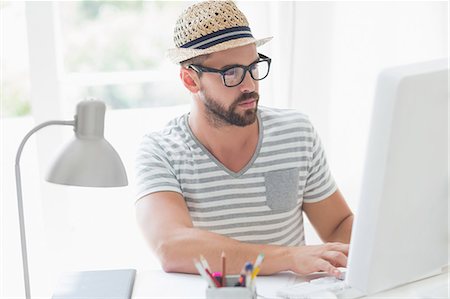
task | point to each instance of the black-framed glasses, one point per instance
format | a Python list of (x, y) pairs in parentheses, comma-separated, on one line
[(234, 75)]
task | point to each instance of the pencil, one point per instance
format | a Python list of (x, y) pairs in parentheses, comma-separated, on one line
[(224, 269), (259, 260), (257, 265), (202, 271), (204, 262)]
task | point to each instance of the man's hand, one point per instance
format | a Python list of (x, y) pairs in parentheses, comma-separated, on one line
[(167, 226), (318, 258)]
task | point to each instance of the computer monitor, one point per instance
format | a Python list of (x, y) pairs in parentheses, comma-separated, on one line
[(400, 232)]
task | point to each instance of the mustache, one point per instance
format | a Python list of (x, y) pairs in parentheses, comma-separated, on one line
[(246, 96)]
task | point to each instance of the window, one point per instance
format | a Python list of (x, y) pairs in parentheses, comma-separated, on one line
[(115, 50), (15, 92)]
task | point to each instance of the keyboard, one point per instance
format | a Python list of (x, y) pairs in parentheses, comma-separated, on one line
[(324, 287)]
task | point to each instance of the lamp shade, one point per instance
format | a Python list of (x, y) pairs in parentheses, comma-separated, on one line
[(89, 163), (88, 159)]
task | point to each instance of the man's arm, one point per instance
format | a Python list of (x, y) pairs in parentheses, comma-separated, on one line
[(167, 226), (331, 218)]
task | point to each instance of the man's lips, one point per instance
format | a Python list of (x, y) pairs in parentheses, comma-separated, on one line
[(247, 102)]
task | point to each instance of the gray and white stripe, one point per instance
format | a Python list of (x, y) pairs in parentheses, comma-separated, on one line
[(260, 204)]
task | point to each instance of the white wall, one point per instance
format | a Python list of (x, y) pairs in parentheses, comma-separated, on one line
[(340, 49), (326, 58), (368, 37)]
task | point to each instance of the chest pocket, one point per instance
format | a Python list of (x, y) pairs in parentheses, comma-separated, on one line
[(282, 188)]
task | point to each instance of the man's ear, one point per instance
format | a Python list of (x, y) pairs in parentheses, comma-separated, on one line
[(189, 81)]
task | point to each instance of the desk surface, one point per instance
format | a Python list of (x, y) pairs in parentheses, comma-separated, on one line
[(158, 284)]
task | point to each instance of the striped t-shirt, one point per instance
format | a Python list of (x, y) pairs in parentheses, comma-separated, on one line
[(262, 203)]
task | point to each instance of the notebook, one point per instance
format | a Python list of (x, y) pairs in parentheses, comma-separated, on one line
[(102, 284)]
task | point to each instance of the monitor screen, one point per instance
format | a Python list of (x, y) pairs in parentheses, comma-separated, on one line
[(400, 233)]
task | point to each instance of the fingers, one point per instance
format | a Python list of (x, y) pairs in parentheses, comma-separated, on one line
[(341, 247), (322, 258), (334, 255), (336, 258), (325, 266)]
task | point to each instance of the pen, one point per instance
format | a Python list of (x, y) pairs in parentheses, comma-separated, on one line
[(248, 273), (218, 276), (202, 271), (215, 281), (205, 265), (241, 281), (224, 277)]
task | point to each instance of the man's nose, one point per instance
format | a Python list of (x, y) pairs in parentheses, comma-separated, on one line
[(248, 84)]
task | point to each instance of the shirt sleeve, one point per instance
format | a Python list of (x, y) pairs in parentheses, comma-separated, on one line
[(153, 170), (319, 183)]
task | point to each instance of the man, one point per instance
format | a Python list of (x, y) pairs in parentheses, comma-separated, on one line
[(231, 176)]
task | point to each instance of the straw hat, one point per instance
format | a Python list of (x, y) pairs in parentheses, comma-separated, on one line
[(210, 26)]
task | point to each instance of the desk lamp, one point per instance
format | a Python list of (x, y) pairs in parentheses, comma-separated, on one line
[(87, 160)]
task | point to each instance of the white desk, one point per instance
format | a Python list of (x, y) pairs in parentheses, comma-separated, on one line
[(158, 284)]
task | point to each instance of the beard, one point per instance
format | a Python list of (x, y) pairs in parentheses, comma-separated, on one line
[(220, 116)]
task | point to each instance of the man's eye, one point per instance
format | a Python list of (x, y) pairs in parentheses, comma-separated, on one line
[(230, 72)]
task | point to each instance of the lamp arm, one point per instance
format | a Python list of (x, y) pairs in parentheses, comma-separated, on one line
[(23, 241)]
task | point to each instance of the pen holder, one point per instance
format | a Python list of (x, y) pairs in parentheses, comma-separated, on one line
[(230, 291)]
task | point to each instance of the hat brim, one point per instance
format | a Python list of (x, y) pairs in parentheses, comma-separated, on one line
[(178, 55)]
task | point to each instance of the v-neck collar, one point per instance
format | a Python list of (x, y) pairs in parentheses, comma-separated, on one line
[(217, 162)]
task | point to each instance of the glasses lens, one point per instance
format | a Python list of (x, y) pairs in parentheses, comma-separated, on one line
[(233, 76), (260, 70)]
